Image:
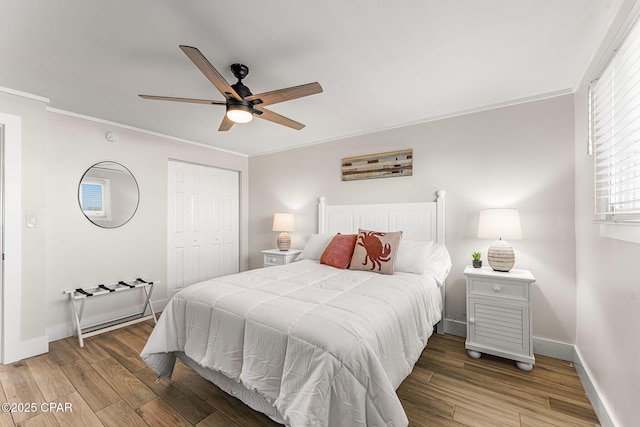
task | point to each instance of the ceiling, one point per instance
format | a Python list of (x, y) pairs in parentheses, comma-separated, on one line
[(381, 64)]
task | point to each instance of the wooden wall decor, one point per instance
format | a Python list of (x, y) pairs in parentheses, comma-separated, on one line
[(380, 165)]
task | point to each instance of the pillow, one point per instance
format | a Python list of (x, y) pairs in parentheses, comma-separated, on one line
[(426, 257), (412, 256), (338, 252), (376, 251), (315, 246), (439, 263)]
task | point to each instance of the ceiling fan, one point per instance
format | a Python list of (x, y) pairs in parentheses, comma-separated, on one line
[(241, 104)]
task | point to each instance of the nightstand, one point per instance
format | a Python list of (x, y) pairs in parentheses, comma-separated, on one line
[(278, 257), (499, 315)]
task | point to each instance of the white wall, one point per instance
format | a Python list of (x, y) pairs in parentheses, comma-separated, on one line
[(68, 251), (519, 156), (608, 291), (30, 320), (608, 297), (78, 252)]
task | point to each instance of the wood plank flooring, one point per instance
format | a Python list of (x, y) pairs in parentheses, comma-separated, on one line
[(106, 384)]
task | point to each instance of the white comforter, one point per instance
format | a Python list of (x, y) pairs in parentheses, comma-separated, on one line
[(326, 347)]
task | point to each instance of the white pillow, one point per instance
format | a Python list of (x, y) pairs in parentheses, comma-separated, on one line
[(427, 257), (315, 246)]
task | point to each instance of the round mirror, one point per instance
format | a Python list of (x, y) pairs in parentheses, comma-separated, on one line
[(108, 194)]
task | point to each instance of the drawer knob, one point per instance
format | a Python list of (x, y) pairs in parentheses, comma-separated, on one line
[(496, 288)]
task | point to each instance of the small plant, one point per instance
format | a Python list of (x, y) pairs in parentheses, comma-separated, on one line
[(477, 263)]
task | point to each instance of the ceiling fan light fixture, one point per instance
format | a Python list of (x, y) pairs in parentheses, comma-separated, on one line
[(239, 100), (239, 113)]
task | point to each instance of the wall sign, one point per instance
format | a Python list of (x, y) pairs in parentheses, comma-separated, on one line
[(380, 165)]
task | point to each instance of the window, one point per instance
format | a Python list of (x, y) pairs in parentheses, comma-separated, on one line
[(615, 135), (94, 198)]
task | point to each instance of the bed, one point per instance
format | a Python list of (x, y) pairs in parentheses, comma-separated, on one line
[(310, 344)]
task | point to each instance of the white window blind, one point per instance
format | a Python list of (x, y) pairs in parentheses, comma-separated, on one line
[(92, 198), (615, 135), (95, 198)]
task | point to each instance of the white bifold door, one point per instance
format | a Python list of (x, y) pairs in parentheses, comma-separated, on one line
[(203, 224)]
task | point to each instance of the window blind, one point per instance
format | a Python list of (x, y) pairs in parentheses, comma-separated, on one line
[(92, 198), (615, 133)]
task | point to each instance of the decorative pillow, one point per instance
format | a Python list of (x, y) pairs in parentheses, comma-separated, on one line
[(425, 257), (376, 251), (338, 252)]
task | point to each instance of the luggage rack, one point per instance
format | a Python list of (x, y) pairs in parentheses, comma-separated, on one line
[(79, 296)]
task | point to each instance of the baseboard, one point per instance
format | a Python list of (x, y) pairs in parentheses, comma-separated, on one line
[(40, 345), (26, 349), (67, 329), (545, 347), (557, 350), (455, 327), (599, 404)]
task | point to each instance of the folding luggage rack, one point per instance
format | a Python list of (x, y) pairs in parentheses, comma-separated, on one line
[(80, 295)]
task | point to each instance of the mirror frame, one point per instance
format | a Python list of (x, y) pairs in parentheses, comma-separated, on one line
[(108, 203)]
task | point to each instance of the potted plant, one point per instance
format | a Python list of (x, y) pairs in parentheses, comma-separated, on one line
[(477, 262)]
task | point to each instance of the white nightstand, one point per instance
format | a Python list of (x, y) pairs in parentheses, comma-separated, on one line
[(278, 257), (499, 315)]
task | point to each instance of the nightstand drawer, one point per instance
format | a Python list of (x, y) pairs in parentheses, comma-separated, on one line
[(499, 289), (272, 257), (273, 260)]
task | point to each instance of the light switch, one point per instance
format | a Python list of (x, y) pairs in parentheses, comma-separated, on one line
[(31, 220)]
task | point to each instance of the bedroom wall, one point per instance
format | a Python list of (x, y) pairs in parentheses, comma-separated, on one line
[(608, 297), (34, 141), (607, 287), (78, 252), (66, 250), (517, 156)]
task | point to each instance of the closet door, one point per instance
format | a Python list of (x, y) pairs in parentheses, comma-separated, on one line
[(203, 224)]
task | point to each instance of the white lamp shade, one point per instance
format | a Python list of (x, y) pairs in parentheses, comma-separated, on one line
[(284, 222), (499, 224)]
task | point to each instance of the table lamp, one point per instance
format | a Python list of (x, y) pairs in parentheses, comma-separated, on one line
[(284, 222), (500, 224)]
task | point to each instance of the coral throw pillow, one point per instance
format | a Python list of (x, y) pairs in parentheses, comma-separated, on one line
[(376, 251), (338, 252)]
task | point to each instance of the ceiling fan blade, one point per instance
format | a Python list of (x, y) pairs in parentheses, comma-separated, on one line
[(286, 94), (190, 100), (269, 115), (226, 124), (210, 72)]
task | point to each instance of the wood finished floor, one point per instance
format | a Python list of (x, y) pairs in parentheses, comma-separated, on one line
[(107, 384)]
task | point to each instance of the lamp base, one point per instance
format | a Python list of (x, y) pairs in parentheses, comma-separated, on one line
[(284, 241), (501, 256)]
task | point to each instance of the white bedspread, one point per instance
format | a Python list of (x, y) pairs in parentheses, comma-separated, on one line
[(326, 347)]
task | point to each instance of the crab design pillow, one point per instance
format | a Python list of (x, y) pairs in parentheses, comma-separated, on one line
[(375, 251)]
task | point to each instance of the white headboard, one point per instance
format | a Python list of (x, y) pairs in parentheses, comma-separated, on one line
[(417, 221)]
